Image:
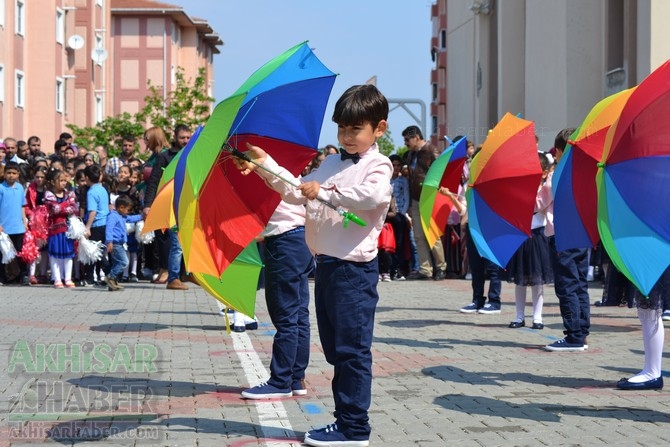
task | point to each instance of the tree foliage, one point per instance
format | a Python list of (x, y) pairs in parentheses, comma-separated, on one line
[(187, 103)]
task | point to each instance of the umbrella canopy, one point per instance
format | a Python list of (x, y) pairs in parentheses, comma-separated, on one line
[(504, 179), (162, 213), (279, 108), (236, 287), (574, 181), (446, 171), (633, 183)]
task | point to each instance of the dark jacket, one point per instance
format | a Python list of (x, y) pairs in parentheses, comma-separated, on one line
[(162, 160), (417, 174)]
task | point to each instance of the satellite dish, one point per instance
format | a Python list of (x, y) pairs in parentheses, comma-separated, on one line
[(75, 42), (99, 55)]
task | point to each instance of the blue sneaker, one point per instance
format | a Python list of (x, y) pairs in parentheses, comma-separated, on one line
[(489, 309), (329, 436), (469, 309), (298, 388), (564, 346), (265, 391)]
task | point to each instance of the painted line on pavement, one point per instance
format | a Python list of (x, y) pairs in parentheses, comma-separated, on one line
[(272, 415)]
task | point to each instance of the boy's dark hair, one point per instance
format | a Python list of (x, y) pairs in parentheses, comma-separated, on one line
[(359, 104), (92, 173), (128, 137), (123, 201), (12, 166), (413, 131), (395, 157), (562, 138), (65, 136)]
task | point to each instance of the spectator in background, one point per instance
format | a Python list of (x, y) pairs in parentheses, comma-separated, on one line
[(420, 156), (34, 145), (330, 150), (22, 152), (127, 151)]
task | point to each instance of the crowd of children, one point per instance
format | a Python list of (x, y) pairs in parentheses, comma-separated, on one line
[(39, 194)]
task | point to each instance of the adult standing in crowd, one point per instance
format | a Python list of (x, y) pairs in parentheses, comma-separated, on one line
[(182, 134), (420, 156)]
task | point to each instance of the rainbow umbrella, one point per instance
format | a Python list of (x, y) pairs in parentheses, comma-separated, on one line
[(504, 179), (279, 108), (574, 181), (633, 183), (446, 171), (236, 287)]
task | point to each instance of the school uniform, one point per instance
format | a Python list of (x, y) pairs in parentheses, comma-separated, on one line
[(347, 271)]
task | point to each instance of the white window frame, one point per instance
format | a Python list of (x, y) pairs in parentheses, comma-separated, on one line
[(99, 3), (19, 89), (60, 26), (20, 17), (2, 81), (99, 108), (60, 95), (2, 13), (99, 43)]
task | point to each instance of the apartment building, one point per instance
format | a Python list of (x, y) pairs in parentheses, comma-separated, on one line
[(78, 61), (548, 60)]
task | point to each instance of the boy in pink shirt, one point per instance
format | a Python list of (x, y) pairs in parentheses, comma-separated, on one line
[(347, 272)]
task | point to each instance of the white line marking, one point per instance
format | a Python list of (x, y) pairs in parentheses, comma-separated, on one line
[(272, 415)]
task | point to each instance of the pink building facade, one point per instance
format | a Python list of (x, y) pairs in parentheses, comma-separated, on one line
[(79, 61)]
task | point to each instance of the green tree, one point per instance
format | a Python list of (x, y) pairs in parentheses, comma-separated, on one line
[(385, 144), (187, 103)]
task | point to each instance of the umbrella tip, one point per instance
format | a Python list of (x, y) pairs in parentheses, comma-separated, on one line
[(600, 165)]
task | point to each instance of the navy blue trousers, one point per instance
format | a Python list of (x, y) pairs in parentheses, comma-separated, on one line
[(345, 300), (572, 289), (288, 263), (479, 267)]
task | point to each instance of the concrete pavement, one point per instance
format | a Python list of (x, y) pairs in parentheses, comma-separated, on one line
[(148, 366)]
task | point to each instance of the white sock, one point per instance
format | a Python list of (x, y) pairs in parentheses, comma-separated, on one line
[(132, 262), (520, 300), (55, 269), (33, 267), (653, 336), (537, 293), (67, 269)]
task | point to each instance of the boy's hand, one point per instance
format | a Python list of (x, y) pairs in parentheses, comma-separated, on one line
[(110, 247), (256, 154), (310, 189)]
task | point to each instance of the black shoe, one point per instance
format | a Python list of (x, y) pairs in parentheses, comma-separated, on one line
[(653, 384), (538, 326), (516, 324), (440, 275), (133, 278), (25, 281), (416, 276), (239, 328), (251, 326)]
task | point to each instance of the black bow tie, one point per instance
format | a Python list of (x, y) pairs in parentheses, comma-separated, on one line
[(344, 155)]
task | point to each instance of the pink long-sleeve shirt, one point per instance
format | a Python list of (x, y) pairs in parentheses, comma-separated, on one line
[(363, 188)]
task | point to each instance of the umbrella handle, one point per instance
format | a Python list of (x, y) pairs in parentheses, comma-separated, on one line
[(349, 216)]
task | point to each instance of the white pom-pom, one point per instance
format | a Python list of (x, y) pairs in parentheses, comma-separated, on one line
[(90, 252), (143, 238), (7, 248), (130, 227), (75, 228)]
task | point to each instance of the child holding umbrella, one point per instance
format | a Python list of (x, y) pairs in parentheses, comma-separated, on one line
[(347, 272)]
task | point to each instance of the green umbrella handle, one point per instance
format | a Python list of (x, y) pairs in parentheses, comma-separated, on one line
[(349, 216)]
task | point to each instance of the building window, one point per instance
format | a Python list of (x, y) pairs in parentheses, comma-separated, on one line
[(2, 13), (19, 89), (60, 95), (443, 39), (20, 17), (2, 83), (99, 108), (433, 127), (100, 3), (435, 92), (60, 26)]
